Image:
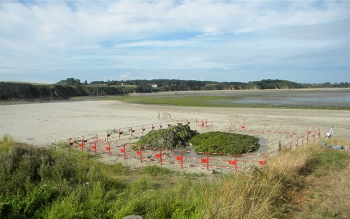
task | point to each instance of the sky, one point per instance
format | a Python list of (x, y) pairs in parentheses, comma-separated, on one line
[(225, 41)]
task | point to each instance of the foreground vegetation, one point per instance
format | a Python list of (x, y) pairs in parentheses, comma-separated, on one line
[(54, 183)]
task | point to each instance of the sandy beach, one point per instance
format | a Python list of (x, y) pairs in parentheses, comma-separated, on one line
[(43, 124)]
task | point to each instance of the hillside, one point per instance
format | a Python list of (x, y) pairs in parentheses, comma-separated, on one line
[(22, 91)]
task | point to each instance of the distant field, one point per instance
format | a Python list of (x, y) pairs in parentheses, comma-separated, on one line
[(201, 101), (298, 99)]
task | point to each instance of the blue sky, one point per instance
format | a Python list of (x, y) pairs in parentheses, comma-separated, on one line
[(241, 41)]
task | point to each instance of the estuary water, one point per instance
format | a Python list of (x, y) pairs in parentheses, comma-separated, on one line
[(325, 98), (301, 98)]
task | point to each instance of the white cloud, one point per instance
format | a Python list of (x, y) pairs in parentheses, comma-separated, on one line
[(125, 76), (122, 36)]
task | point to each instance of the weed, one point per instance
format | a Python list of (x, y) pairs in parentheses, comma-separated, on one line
[(5, 143), (332, 160), (156, 170), (329, 213)]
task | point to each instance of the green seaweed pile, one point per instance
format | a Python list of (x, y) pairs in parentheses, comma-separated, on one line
[(212, 142), (172, 137), (222, 142)]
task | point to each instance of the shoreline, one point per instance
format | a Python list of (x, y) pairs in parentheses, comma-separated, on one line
[(46, 123)]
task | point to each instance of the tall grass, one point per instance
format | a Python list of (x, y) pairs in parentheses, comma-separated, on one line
[(5, 143), (55, 183), (262, 192)]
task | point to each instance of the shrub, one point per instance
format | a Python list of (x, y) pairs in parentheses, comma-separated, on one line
[(39, 182), (222, 142), (173, 136)]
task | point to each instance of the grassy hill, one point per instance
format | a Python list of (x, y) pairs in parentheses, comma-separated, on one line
[(24, 91)]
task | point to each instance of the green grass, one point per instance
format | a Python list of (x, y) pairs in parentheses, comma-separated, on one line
[(194, 101), (55, 183), (331, 160), (156, 170)]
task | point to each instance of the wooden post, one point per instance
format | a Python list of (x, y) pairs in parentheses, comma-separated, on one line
[(161, 157), (141, 154), (107, 136), (70, 144), (207, 162), (182, 159), (236, 163), (279, 146), (124, 152), (94, 147), (82, 145), (109, 149)]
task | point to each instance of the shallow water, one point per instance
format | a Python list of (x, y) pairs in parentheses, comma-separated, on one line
[(323, 98), (327, 98)]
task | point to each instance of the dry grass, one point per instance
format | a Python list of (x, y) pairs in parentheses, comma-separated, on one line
[(326, 194), (260, 193), (269, 192)]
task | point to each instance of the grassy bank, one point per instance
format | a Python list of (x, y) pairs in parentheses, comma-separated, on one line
[(55, 183), (196, 101)]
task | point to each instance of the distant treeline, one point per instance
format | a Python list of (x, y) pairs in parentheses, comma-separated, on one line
[(72, 87), (184, 85)]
